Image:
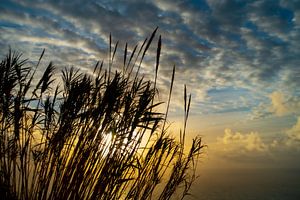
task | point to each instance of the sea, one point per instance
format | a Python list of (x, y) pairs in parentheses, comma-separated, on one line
[(247, 184)]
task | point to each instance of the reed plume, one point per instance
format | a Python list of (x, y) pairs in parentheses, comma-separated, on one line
[(84, 139)]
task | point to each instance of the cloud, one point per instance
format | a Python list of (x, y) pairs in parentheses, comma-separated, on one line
[(260, 111), (278, 104), (248, 142), (294, 132), (272, 18), (283, 105), (257, 148), (234, 56), (215, 44)]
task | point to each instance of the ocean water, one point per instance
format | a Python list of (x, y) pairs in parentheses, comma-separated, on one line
[(247, 184)]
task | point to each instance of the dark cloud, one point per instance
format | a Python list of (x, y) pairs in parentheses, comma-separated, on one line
[(215, 44)]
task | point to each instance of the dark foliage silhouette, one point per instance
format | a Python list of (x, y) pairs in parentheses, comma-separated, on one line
[(97, 136)]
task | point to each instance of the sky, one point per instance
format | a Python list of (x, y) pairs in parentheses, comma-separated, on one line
[(240, 61)]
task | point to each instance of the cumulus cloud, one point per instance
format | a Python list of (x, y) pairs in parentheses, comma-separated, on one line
[(252, 147), (294, 132), (283, 105), (247, 142), (279, 104)]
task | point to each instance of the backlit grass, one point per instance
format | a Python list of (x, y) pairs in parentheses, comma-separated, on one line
[(86, 138)]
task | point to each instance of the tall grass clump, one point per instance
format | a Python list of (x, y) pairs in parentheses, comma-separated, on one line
[(95, 136)]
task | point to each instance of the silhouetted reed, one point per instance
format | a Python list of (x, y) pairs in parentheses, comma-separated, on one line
[(86, 139)]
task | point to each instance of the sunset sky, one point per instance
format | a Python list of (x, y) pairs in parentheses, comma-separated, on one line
[(239, 59)]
